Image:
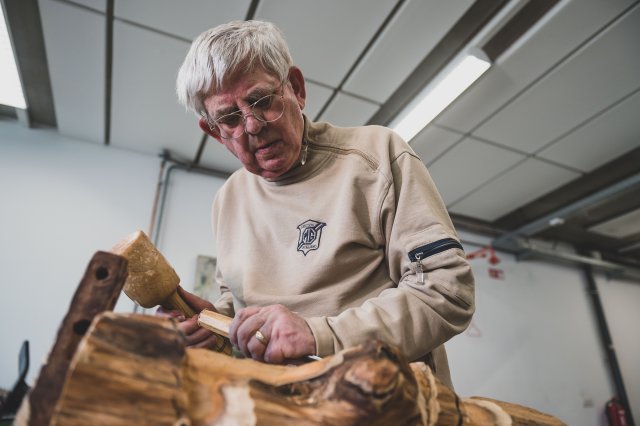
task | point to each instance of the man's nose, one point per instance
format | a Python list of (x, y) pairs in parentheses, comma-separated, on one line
[(253, 126)]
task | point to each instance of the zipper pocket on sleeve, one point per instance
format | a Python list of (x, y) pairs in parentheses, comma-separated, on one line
[(430, 249), (418, 254)]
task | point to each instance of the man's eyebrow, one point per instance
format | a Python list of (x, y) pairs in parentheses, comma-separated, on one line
[(259, 92), (225, 111)]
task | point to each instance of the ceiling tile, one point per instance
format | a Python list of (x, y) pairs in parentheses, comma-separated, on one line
[(432, 141), (347, 111), (622, 226), (594, 78), (100, 5), (74, 39), (326, 37), (468, 165), (601, 140), (27, 140), (145, 114), (317, 96), (198, 16), (558, 33), (518, 186), (418, 26)]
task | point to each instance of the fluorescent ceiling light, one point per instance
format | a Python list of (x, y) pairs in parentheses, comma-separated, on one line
[(10, 87), (434, 98)]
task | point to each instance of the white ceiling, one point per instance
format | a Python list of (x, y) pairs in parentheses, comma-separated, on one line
[(562, 101)]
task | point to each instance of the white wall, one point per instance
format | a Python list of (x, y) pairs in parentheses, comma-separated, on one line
[(533, 340), (62, 201)]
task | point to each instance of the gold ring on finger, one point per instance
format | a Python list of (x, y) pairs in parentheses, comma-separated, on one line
[(261, 338)]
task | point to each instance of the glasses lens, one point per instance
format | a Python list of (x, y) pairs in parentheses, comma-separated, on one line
[(231, 126), (269, 108)]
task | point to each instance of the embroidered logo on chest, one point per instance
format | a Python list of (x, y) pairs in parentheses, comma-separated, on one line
[(310, 233)]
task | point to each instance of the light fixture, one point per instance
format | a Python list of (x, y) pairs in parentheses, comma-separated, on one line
[(436, 96), (10, 88)]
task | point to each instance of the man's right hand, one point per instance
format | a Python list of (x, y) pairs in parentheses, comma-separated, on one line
[(196, 336)]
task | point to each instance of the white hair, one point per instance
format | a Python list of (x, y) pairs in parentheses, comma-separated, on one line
[(223, 52)]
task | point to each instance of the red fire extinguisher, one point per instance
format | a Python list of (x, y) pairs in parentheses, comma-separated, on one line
[(615, 413)]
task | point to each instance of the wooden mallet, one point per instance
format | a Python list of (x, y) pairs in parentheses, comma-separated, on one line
[(152, 282)]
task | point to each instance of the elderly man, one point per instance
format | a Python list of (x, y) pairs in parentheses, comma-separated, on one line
[(328, 236)]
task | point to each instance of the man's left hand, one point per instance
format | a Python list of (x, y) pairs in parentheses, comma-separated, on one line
[(286, 334)]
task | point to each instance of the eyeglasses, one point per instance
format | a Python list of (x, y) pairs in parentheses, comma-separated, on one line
[(266, 110)]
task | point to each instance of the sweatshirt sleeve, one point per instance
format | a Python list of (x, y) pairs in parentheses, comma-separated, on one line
[(432, 298), (224, 303)]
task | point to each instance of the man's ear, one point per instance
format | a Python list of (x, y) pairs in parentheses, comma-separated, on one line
[(205, 128), (297, 83)]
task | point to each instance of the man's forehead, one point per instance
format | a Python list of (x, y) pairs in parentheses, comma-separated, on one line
[(243, 80)]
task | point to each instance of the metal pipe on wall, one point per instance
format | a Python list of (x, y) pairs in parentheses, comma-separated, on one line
[(156, 197), (163, 184), (607, 343)]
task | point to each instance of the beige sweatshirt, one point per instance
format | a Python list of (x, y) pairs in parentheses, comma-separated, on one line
[(357, 240)]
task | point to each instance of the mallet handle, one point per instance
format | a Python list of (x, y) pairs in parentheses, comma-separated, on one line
[(176, 303)]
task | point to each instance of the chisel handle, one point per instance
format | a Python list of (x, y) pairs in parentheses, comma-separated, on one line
[(219, 324)]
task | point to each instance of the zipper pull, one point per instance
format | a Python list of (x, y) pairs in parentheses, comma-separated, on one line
[(419, 269)]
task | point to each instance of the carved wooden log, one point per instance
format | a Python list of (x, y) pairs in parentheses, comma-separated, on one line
[(133, 369)]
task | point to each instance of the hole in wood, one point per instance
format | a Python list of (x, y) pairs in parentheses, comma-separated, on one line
[(102, 273), (81, 327)]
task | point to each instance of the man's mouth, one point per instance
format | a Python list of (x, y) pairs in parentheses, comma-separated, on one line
[(266, 149)]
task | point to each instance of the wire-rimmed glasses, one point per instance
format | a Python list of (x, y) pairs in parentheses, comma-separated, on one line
[(266, 110)]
